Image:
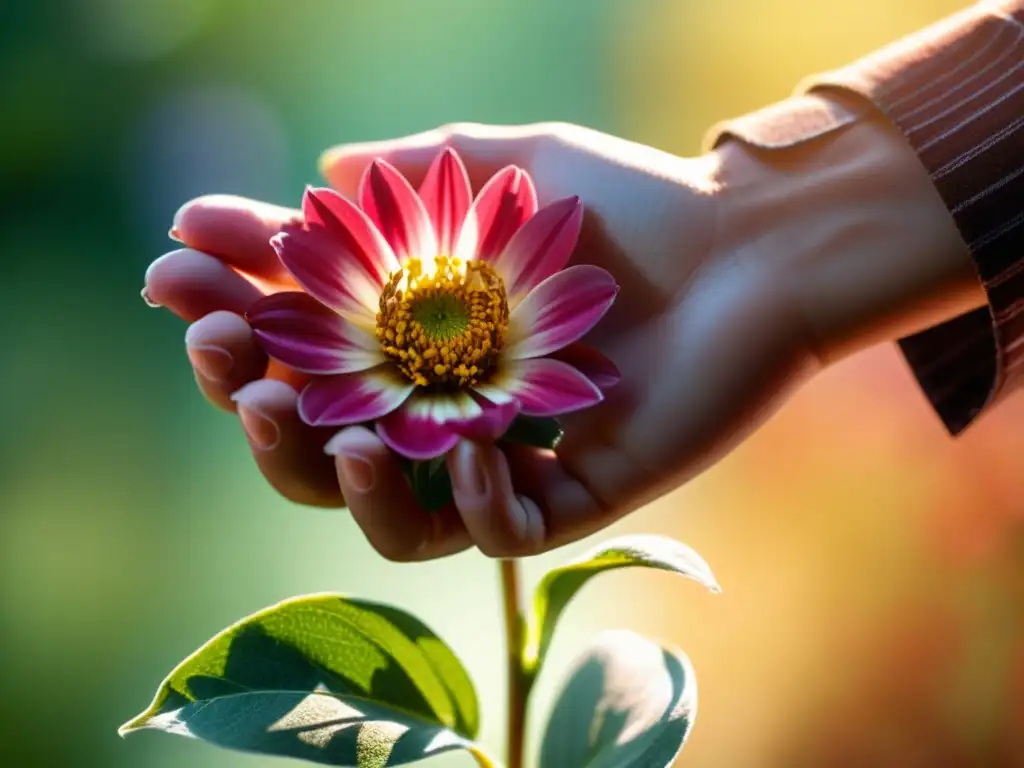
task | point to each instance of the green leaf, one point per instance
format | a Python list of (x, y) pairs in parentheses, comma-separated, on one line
[(326, 643), (319, 727), (430, 482), (534, 430), (627, 702), (559, 585)]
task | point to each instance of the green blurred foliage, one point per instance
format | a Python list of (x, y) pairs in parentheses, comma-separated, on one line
[(133, 524)]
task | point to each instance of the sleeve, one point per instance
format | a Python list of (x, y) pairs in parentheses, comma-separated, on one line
[(956, 92)]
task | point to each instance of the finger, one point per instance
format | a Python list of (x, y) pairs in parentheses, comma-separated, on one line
[(224, 356), (193, 284), (383, 505), (501, 522), (484, 150), (288, 452), (569, 507), (237, 231)]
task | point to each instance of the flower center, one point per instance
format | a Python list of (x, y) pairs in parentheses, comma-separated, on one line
[(445, 327)]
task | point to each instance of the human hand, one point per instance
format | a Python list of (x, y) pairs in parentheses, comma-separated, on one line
[(710, 330)]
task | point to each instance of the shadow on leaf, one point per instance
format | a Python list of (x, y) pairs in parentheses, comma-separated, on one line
[(326, 678), (628, 702), (317, 727), (257, 662)]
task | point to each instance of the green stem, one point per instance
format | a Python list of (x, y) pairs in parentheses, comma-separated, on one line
[(518, 684)]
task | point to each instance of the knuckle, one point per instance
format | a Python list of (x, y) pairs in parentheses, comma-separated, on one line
[(495, 549), (392, 543), (507, 545), (557, 130), (213, 394), (323, 498), (388, 546), (458, 133), (517, 141), (392, 553)]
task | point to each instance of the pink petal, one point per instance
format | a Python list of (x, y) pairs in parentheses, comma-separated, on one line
[(504, 204), (424, 428), (489, 425), (320, 264), (302, 333), (546, 387), (353, 398), (353, 229), (446, 195), (591, 363), (560, 310), (540, 248), (393, 205)]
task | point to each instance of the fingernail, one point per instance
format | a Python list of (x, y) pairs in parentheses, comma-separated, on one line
[(471, 470), (214, 363), (533, 523), (150, 270), (175, 231), (357, 470), (434, 535), (262, 431), (146, 298)]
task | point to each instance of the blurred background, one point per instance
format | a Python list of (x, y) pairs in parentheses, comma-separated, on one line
[(873, 611)]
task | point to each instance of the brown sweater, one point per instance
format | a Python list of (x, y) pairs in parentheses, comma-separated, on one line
[(956, 92)]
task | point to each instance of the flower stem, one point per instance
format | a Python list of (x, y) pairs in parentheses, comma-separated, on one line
[(518, 685)]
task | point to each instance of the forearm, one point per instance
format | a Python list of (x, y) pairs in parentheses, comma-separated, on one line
[(853, 230)]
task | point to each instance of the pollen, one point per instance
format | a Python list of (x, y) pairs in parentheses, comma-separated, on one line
[(446, 327)]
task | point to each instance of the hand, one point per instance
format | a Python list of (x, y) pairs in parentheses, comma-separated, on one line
[(710, 331)]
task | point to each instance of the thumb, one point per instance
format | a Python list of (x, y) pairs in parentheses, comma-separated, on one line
[(484, 150)]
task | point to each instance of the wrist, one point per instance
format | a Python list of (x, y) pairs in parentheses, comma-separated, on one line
[(852, 231)]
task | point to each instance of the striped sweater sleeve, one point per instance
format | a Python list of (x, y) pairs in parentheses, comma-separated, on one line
[(956, 92)]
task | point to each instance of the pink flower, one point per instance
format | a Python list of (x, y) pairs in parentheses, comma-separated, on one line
[(433, 314)]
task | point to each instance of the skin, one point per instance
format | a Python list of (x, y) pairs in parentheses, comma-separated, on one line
[(741, 276)]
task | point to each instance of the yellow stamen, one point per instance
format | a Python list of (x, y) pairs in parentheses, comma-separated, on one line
[(445, 327)]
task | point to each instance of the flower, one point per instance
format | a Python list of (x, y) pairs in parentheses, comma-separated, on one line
[(434, 315)]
